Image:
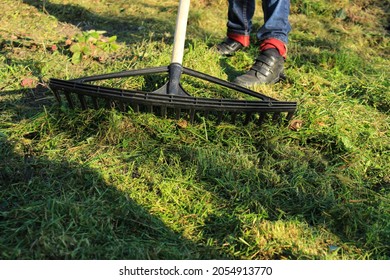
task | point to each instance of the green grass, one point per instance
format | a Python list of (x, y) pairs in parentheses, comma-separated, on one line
[(101, 184)]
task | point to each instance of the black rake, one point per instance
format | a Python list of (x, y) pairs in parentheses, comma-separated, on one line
[(172, 99)]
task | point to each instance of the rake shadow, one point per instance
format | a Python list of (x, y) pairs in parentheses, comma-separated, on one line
[(129, 29), (63, 210)]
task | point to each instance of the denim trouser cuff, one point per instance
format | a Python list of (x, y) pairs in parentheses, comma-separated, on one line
[(242, 39), (276, 23)]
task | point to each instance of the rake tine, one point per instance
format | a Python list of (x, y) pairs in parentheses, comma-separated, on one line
[(289, 116), (122, 106), (192, 115), (83, 102), (57, 96), (135, 107), (95, 103), (164, 112), (177, 113), (108, 106), (234, 118), (247, 118), (219, 117), (261, 119), (69, 99), (276, 117)]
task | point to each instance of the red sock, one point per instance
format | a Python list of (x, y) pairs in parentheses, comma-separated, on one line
[(243, 39), (273, 43)]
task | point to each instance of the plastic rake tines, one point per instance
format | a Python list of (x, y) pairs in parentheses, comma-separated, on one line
[(171, 100)]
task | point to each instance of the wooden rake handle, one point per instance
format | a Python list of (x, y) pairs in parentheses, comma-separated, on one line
[(180, 32)]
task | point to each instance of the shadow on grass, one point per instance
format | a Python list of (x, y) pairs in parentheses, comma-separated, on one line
[(371, 94), (57, 209), (129, 29), (63, 210)]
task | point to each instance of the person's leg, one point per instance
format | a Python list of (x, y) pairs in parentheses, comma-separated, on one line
[(240, 16), (276, 24), (273, 36), (276, 27), (239, 26)]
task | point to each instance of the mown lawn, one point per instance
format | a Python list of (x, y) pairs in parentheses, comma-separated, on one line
[(103, 184)]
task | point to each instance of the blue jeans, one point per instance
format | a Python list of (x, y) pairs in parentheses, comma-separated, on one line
[(276, 24)]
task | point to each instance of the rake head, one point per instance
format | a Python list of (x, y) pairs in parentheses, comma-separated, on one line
[(171, 100)]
